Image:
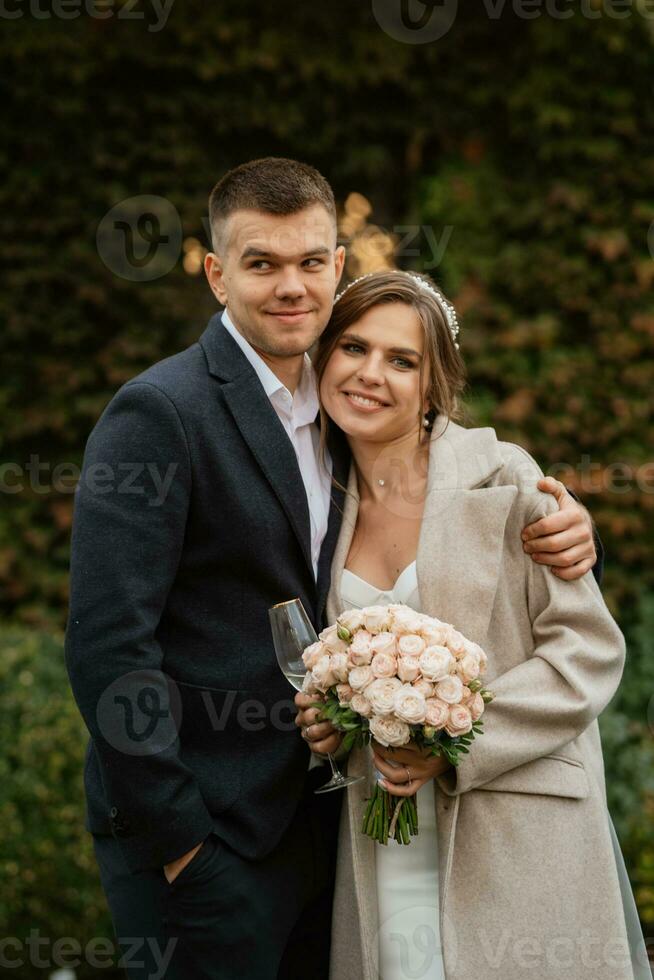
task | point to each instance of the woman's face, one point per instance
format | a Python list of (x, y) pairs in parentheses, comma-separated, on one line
[(371, 386)]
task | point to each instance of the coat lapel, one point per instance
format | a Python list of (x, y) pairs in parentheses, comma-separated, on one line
[(260, 427), (462, 532)]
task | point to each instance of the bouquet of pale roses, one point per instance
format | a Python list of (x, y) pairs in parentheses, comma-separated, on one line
[(391, 673)]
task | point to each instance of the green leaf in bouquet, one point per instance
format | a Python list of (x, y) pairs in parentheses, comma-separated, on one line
[(350, 741)]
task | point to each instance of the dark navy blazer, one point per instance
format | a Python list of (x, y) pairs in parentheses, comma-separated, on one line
[(191, 520)]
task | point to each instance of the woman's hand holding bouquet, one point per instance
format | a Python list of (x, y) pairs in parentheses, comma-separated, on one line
[(413, 685)]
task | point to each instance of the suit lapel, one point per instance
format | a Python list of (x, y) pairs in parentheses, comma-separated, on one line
[(340, 454), (260, 427), (348, 523)]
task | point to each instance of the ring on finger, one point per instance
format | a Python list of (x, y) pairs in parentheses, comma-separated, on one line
[(408, 774)]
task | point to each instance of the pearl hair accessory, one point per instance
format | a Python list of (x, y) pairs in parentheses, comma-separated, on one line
[(447, 308)]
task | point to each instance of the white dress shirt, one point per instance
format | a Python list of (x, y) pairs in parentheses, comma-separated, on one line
[(297, 413)]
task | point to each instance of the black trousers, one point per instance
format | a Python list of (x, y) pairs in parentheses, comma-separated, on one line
[(226, 918)]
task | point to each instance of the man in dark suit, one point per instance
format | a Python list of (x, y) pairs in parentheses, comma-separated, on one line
[(204, 500)]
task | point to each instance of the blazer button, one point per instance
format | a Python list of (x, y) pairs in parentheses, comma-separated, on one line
[(113, 812)]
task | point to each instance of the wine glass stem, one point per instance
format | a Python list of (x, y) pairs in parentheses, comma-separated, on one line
[(336, 773)]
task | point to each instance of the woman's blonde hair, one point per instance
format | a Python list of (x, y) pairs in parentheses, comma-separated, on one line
[(446, 367)]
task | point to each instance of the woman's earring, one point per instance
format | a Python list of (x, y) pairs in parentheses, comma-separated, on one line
[(429, 418)]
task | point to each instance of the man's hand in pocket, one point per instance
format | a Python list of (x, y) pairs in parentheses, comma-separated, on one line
[(173, 868)]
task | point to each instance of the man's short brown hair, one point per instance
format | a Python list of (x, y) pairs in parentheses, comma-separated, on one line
[(273, 185)]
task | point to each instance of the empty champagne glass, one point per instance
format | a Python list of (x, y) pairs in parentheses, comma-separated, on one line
[(292, 633)]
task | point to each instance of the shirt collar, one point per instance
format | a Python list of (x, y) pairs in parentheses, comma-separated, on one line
[(304, 405)]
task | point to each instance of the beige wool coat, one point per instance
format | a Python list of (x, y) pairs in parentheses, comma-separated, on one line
[(527, 885)]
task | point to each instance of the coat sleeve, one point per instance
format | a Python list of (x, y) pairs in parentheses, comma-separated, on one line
[(128, 530), (553, 696)]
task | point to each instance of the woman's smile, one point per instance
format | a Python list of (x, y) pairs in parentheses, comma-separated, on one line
[(363, 402)]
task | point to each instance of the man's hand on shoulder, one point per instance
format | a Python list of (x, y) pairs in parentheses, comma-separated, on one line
[(564, 540)]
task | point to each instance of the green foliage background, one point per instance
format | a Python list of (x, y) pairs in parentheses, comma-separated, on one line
[(532, 141)]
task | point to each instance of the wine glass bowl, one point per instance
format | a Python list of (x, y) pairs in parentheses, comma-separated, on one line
[(292, 633)]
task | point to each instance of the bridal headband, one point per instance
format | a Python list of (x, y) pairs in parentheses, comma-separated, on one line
[(425, 287)]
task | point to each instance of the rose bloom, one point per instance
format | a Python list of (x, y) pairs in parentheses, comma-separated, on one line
[(340, 667), (384, 643), (384, 665), (409, 705), (436, 663), (466, 696), (360, 678), (323, 674), (375, 618), (351, 619), (361, 705), (459, 721), (450, 689), (309, 684), (477, 652), (476, 706), (456, 642), (331, 640), (389, 731), (426, 688), (436, 713), (360, 649), (381, 693), (411, 645), (360, 659), (313, 653), (467, 668), (344, 693), (435, 633), (406, 620), (408, 669)]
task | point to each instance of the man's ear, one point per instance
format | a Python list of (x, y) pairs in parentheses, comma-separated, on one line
[(213, 269), (339, 262)]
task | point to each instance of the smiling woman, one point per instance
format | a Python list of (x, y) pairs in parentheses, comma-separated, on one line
[(388, 358), (434, 522)]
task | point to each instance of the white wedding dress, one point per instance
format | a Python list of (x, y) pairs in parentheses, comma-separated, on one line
[(407, 877)]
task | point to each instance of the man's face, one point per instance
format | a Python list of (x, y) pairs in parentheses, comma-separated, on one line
[(278, 274)]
